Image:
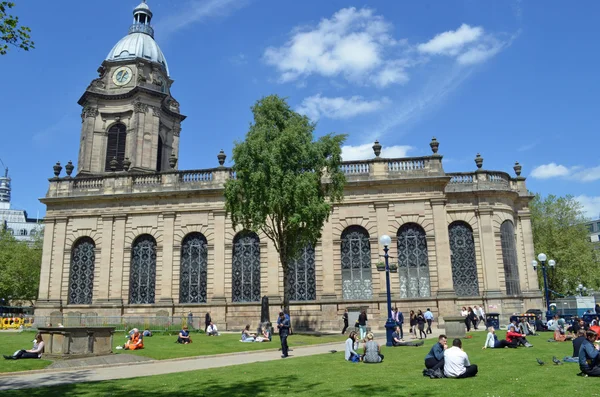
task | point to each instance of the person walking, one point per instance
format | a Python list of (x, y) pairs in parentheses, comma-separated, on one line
[(207, 321), (429, 318), (400, 322), (284, 329), (190, 320), (421, 324), (413, 323), (362, 324), (345, 318)]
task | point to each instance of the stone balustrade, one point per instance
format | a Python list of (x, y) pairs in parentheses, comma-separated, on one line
[(377, 169)]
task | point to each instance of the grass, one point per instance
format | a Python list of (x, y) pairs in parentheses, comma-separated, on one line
[(161, 347), (158, 347), (502, 372), (10, 342)]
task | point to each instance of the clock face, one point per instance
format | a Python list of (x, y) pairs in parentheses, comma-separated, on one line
[(122, 75)]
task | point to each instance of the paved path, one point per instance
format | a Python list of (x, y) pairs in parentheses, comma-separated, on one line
[(47, 377)]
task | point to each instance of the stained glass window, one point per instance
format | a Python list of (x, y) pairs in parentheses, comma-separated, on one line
[(302, 276), (464, 266), (509, 257), (194, 262), (356, 264), (413, 262), (142, 279), (81, 274), (246, 268)]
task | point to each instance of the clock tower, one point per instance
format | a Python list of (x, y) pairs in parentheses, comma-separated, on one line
[(130, 121)]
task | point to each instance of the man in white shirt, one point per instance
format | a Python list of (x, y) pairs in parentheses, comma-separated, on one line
[(456, 362), (211, 330)]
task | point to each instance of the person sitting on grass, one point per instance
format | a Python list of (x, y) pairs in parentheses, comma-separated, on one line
[(560, 335), (212, 330), (135, 342), (147, 332), (456, 362), (350, 353), (435, 358), (398, 341), (184, 336), (493, 342), (35, 352), (371, 351), (517, 338), (589, 356), (265, 335), (577, 342), (247, 336)]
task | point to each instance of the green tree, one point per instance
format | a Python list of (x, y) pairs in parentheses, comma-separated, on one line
[(10, 31), (286, 183), (559, 231), (20, 264)]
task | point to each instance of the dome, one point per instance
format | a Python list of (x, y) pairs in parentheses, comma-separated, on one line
[(137, 45)]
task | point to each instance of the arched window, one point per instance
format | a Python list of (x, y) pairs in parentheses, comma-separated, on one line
[(464, 266), (23, 232), (509, 257), (159, 155), (115, 146), (302, 276), (81, 272), (194, 261), (413, 262), (246, 268), (142, 279), (356, 264)]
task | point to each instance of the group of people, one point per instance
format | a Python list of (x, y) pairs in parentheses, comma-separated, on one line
[(473, 316), (417, 322), (371, 349), (445, 362)]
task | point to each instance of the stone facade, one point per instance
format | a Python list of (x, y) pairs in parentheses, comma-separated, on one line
[(131, 235)]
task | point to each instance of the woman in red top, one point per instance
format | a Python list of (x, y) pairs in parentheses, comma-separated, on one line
[(515, 338)]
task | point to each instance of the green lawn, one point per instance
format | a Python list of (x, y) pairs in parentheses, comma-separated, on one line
[(158, 347), (13, 341), (507, 372), (161, 347)]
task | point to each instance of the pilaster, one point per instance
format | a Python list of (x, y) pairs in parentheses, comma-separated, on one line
[(166, 280), (328, 291), (116, 273), (58, 259), (44, 291), (104, 273), (442, 249), (217, 292), (527, 239), (491, 289)]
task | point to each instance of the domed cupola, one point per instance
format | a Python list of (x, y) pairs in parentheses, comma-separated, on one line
[(139, 43)]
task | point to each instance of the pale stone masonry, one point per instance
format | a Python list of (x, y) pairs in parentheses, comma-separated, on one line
[(116, 232)]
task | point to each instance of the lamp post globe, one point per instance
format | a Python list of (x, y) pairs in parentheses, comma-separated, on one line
[(390, 324), (542, 257), (552, 263), (534, 263)]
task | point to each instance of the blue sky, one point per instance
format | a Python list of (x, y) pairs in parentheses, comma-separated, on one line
[(513, 80)]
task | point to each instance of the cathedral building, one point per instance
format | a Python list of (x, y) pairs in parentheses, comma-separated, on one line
[(131, 235)]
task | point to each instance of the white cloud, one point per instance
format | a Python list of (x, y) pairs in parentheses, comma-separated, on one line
[(197, 11), (591, 206), (551, 170), (365, 152), (575, 173), (352, 43), (469, 45), (318, 106), (452, 41)]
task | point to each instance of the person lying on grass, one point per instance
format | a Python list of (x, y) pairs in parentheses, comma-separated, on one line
[(35, 352), (135, 342), (184, 336), (398, 341)]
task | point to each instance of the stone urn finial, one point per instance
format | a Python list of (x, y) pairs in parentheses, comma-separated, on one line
[(479, 161), (221, 157), (517, 168), (172, 161), (377, 148), (57, 169), (434, 144), (114, 163), (126, 164), (69, 168)]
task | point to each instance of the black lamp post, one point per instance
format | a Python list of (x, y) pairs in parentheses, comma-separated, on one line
[(390, 325), (551, 263)]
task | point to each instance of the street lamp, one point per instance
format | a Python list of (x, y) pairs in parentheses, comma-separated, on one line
[(551, 263), (385, 240), (581, 289)]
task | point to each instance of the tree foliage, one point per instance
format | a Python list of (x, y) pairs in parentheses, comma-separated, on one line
[(279, 186), (20, 264), (559, 231), (10, 31)]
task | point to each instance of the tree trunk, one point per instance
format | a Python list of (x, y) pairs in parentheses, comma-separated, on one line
[(286, 285)]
